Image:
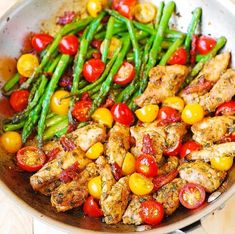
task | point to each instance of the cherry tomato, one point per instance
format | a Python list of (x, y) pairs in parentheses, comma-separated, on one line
[(30, 159), (104, 116), (175, 150), (27, 64), (148, 113), (151, 212), (122, 114), (92, 69), (41, 41), (81, 110), (189, 147), (179, 57), (91, 208), (11, 141), (227, 108), (145, 12), (96, 43), (125, 7), (94, 7), (19, 100), (125, 74), (192, 113), (174, 102), (205, 44), (95, 151), (146, 165), (222, 163), (128, 166), (192, 195), (228, 138), (114, 45), (167, 115), (69, 45), (94, 187)]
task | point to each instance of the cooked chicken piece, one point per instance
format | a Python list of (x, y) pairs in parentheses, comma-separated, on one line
[(212, 129), (205, 80), (164, 82), (132, 213), (87, 136), (171, 164), (222, 91), (168, 195), (52, 170), (201, 173), (224, 149), (47, 189), (73, 194), (118, 144)]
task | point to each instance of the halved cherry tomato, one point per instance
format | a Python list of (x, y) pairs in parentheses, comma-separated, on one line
[(94, 187), (145, 12), (19, 100), (81, 110), (91, 208), (179, 57), (174, 102), (114, 45), (104, 116), (125, 7), (11, 141), (30, 159), (95, 151), (227, 108), (189, 147), (128, 166), (122, 114), (146, 165), (41, 41), (151, 212), (175, 150), (167, 115), (92, 69), (148, 113), (192, 195), (69, 45), (125, 74), (222, 163), (192, 113), (205, 44)]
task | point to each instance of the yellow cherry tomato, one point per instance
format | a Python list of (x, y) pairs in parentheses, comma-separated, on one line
[(95, 151), (94, 187), (104, 116), (147, 114), (114, 45), (11, 141), (192, 113), (174, 102), (94, 7), (140, 185), (59, 105), (222, 163), (145, 12), (27, 64), (128, 166)]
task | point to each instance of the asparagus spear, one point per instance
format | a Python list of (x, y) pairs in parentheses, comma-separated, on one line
[(159, 13), (11, 83)]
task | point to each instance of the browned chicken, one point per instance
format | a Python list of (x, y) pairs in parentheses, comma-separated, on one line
[(164, 82), (132, 213), (212, 129), (47, 189), (224, 149), (118, 144), (168, 195), (73, 194), (171, 164), (202, 173)]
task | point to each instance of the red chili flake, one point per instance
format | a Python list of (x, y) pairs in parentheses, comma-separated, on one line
[(22, 80), (70, 173), (67, 18), (228, 138), (71, 127), (96, 55), (132, 141), (80, 33), (66, 80), (193, 50), (67, 144), (117, 171), (109, 103), (202, 85), (86, 97), (148, 145), (52, 154)]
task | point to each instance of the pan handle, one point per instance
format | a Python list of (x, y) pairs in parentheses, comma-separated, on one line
[(190, 228)]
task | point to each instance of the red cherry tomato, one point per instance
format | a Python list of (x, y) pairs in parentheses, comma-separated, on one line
[(189, 147), (92, 69), (124, 7), (167, 115), (91, 208), (227, 108), (41, 41), (96, 43), (175, 150), (30, 159), (192, 195), (228, 138), (81, 110), (151, 212), (69, 45), (205, 44), (125, 74), (179, 57), (146, 165), (96, 55), (122, 114), (19, 100)]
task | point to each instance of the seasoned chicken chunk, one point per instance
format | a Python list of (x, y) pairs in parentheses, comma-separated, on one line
[(168, 195), (47, 189), (171, 164), (164, 82), (202, 173), (73, 194), (224, 149), (118, 144), (132, 213), (212, 129)]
